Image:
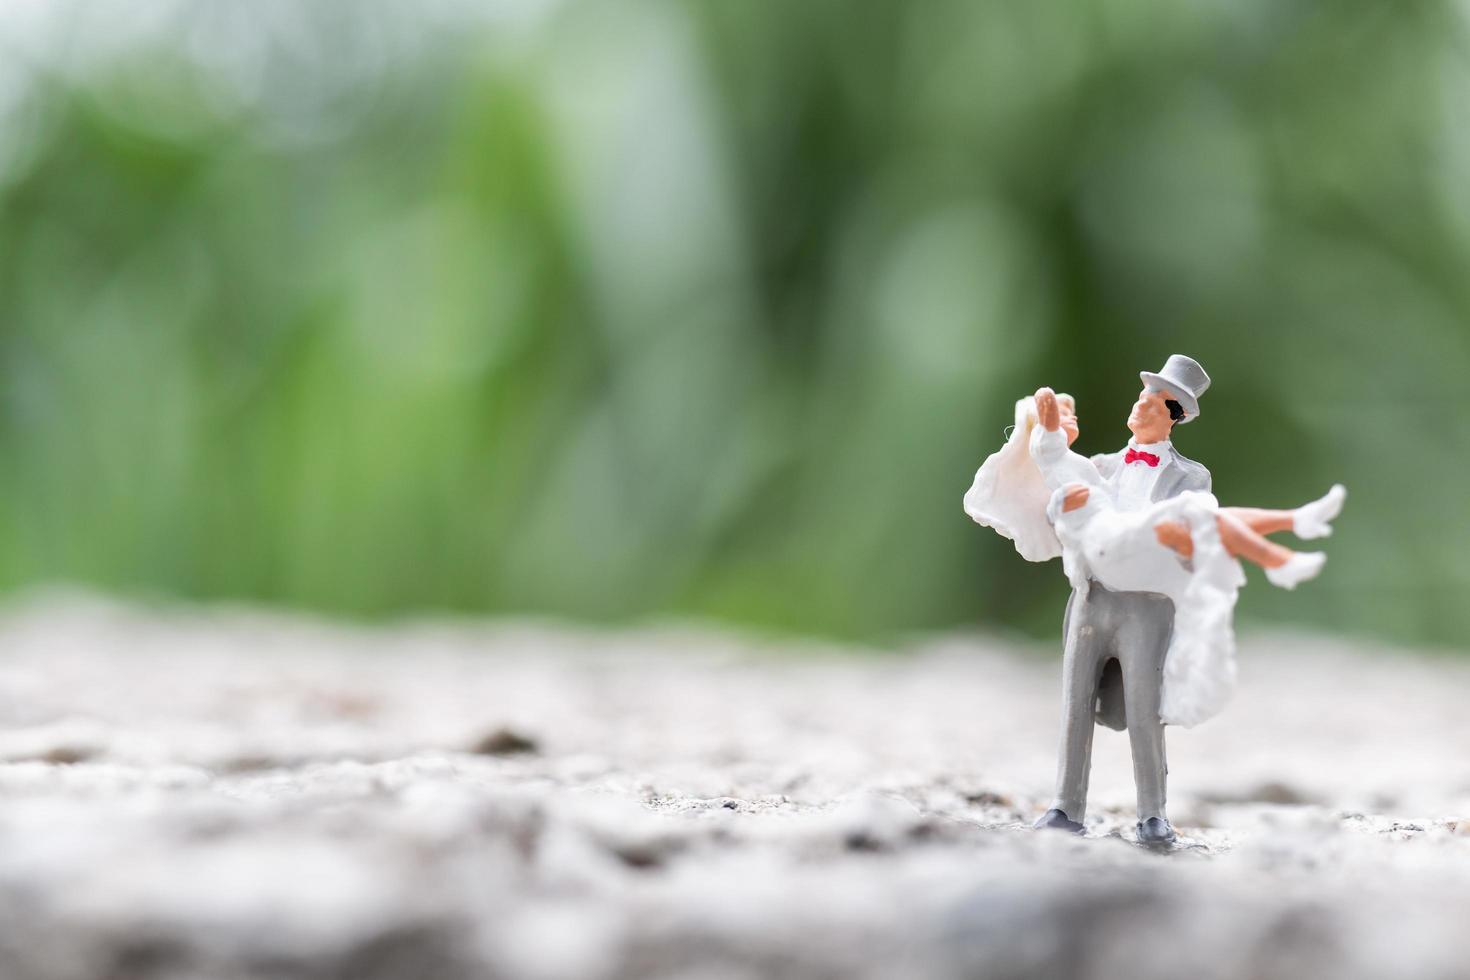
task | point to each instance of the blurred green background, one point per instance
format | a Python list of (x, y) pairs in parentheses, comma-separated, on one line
[(621, 309)]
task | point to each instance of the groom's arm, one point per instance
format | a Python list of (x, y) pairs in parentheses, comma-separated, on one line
[(1199, 479)]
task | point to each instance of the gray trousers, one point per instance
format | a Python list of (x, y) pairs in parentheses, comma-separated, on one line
[(1113, 668)]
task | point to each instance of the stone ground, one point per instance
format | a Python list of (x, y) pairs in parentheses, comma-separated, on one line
[(196, 795)]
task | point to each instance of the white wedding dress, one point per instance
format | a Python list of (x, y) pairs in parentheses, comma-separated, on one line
[(1010, 495)]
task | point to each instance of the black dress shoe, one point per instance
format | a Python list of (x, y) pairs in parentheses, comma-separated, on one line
[(1155, 830), (1055, 819)]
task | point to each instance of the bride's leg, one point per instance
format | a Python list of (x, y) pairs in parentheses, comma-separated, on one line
[(1284, 567), (1311, 520), (1238, 537), (1244, 540), (1261, 521)]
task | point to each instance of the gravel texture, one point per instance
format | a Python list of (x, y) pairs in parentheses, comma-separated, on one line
[(227, 794)]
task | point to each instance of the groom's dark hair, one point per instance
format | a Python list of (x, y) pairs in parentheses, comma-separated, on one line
[(1176, 410)]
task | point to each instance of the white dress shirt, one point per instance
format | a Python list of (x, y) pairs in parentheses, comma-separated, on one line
[(1134, 482)]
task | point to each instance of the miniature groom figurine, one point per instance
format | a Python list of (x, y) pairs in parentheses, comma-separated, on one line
[(1115, 642)]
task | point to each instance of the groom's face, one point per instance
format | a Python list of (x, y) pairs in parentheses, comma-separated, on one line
[(1149, 421)]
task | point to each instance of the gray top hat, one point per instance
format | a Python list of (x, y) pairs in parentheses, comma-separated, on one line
[(1183, 378)]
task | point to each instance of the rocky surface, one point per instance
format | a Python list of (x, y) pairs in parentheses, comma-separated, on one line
[(191, 795)]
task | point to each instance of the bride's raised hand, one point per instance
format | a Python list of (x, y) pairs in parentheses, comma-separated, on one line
[(1047, 409)]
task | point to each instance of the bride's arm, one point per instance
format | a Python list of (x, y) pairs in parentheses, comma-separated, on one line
[(1047, 409), (1058, 464)]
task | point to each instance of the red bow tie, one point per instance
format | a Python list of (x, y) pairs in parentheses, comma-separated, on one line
[(1134, 456)]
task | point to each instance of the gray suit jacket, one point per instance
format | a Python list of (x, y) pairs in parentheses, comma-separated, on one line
[(1180, 475)]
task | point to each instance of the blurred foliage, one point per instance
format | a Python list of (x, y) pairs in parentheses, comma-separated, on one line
[(615, 308)]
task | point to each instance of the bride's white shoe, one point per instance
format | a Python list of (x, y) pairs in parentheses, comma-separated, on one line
[(1300, 567), (1314, 520)]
